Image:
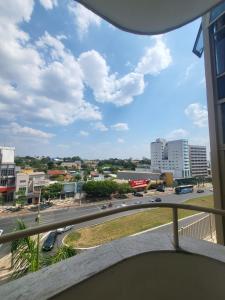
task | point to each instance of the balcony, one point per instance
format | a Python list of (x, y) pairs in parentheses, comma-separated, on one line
[(147, 266)]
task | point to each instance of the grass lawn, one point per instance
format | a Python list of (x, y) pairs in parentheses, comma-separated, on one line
[(124, 226)]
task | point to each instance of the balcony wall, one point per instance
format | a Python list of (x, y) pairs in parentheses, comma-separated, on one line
[(140, 267)]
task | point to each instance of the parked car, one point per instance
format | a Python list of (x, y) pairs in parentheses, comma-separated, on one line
[(50, 241), (104, 206), (211, 190), (64, 229), (158, 200), (138, 194), (200, 191)]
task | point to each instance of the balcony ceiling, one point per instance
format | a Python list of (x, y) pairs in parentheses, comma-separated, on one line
[(149, 16)]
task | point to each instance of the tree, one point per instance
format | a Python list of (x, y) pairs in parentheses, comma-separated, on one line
[(100, 188), (62, 253), (25, 254), (124, 188), (21, 198), (2, 200), (51, 191)]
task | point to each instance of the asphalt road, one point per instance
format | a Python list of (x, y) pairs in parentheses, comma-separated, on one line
[(8, 223)]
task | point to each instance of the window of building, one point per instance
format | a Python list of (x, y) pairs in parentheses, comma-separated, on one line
[(223, 120)]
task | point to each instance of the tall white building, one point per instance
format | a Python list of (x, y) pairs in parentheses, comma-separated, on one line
[(198, 161), (171, 156)]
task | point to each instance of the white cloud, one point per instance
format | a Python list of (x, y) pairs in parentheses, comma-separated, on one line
[(49, 4), (108, 87), (179, 133), (120, 141), (84, 133), (43, 80), (155, 59), (198, 114), (83, 18), (17, 129), (99, 126), (120, 127)]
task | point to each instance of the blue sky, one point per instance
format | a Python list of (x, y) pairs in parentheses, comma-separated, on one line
[(72, 84)]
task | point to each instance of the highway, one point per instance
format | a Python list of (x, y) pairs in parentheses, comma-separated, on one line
[(52, 215)]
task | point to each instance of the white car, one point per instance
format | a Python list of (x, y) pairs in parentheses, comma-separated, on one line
[(64, 229)]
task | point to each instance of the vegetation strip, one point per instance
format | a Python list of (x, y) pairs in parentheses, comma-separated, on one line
[(128, 225)]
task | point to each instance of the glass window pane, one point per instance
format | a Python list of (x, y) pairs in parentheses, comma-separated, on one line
[(221, 87), (199, 46), (223, 120), (220, 51), (215, 12)]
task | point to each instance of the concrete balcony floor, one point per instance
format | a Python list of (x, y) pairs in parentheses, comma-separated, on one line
[(139, 267)]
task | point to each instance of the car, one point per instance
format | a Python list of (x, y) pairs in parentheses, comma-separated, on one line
[(211, 190), (123, 204), (151, 200), (200, 191), (64, 229), (50, 241), (158, 200), (104, 206), (138, 194)]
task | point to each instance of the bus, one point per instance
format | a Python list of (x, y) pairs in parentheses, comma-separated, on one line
[(184, 189)]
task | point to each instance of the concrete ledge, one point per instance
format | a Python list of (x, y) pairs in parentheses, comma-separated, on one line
[(52, 280)]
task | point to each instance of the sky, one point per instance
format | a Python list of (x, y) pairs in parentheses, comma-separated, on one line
[(73, 84)]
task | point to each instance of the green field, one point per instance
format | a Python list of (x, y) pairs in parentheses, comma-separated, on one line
[(125, 226)]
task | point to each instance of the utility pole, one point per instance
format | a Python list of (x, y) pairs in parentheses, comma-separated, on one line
[(38, 236)]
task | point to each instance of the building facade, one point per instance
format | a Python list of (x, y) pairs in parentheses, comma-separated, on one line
[(171, 156), (213, 28), (31, 184), (7, 173), (198, 161)]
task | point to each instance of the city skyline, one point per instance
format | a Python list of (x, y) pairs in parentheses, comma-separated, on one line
[(52, 103)]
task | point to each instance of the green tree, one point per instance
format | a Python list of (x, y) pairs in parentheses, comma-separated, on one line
[(2, 200), (124, 188), (100, 188), (26, 257), (51, 191), (24, 254), (21, 198), (62, 253)]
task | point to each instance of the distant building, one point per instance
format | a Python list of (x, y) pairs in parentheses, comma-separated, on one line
[(198, 161), (134, 175), (171, 156), (7, 173), (74, 164), (31, 184), (54, 173)]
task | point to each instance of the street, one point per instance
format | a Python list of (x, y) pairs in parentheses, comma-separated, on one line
[(8, 223)]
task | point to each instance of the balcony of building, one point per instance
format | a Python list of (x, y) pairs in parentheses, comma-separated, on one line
[(149, 265)]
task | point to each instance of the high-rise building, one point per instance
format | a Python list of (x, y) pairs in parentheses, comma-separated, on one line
[(198, 161), (171, 156), (7, 173)]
